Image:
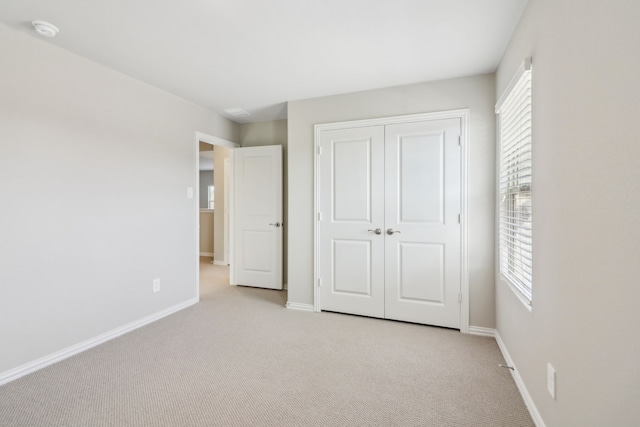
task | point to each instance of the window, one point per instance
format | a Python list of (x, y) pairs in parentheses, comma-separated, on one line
[(515, 172), (210, 196)]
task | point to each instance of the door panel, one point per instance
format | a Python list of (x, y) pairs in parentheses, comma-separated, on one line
[(420, 272), (351, 164), (352, 202), (352, 267), (257, 193), (422, 203), (421, 171)]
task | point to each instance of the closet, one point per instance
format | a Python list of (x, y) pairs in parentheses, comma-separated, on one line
[(389, 232)]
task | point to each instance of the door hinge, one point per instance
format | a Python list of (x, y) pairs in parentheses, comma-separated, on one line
[(459, 141), (460, 297), (459, 217), (319, 150), (319, 282), (319, 216)]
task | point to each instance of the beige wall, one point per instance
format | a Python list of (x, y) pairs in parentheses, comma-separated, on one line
[(264, 133), (111, 159), (477, 94), (271, 133), (206, 232), (585, 317), (220, 154)]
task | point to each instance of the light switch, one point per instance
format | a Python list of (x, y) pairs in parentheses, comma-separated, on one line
[(189, 192)]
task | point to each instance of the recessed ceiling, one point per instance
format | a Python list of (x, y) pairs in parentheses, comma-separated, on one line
[(257, 55)]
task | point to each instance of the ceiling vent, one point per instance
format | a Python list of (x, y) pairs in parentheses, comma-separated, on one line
[(236, 112), (45, 29)]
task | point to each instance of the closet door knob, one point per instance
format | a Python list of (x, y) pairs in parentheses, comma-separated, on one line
[(277, 224), (377, 231), (390, 231)]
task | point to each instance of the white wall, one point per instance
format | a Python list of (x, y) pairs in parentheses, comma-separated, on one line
[(586, 197), (271, 133), (114, 158), (477, 94)]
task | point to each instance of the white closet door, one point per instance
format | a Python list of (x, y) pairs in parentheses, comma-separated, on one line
[(422, 204), (257, 192), (352, 203)]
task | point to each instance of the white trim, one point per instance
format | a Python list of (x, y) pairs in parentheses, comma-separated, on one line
[(230, 199), (528, 401), (285, 286), (20, 371), (227, 209), (218, 262), (213, 140), (206, 254), (481, 331), (299, 306), (463, 115), (464, 218), (524, 66)]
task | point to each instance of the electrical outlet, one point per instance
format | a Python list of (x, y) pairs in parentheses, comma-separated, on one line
[(156, 285), (551, 380)]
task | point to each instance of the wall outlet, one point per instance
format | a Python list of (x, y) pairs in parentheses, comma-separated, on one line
[(156, 285), (189, 192), (551, 380)]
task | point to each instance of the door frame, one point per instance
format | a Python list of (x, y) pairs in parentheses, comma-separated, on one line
[(463, 115), (213, 140)]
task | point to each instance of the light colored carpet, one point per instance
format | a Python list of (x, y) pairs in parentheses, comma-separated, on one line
[(239, 358)]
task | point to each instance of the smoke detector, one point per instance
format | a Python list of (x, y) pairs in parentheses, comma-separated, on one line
[(45, 29)]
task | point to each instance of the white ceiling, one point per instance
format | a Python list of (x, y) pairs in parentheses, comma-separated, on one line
[(259, 54)]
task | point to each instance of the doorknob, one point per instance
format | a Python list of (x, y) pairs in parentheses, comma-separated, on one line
[(277, 224), (377, 231), (390, 231)]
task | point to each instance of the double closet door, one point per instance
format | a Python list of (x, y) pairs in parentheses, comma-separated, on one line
[(390, 221)]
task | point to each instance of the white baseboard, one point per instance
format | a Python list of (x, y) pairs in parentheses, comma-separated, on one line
[(483, 332), (299, 306), (27, 368), (206, 254), (217, 262), (535, 415)]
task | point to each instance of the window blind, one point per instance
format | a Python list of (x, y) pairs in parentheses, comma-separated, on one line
[(515, 172)]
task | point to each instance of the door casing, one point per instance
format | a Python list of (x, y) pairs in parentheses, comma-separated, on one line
[(213, 140), (463, 115)]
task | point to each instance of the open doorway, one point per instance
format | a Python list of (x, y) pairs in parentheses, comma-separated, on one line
[(212, 208)]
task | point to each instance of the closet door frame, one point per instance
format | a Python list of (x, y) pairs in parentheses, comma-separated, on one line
[(463, 116)]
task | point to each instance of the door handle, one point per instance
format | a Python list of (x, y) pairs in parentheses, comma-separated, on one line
[(277, 224), (390, 231), (377, 231)]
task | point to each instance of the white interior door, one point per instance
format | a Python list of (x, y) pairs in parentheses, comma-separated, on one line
[(257, 211), (403, 180), (422, 229), (351, 205)]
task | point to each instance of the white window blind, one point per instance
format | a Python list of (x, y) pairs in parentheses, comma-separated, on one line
[(515, 172)]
